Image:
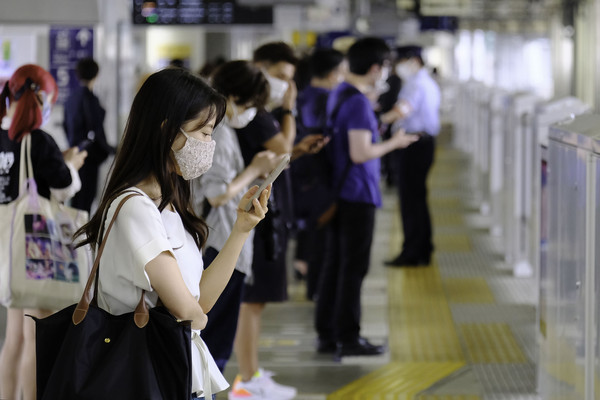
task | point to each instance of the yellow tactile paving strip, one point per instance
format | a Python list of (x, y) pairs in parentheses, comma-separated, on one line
[(468, 290), (447, 397), (421, 325), (401, 381), (491, 343), (424, 340), (451, 243)]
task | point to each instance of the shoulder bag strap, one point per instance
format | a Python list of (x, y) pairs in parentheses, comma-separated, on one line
[(84, 303), (25, 165)]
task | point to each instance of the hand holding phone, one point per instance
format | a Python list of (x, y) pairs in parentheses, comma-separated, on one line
[(84, 144), (270, 179)]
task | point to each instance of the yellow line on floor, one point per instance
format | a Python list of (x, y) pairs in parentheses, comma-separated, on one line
[(447, 397), (398, 381), (423, 341), (491, 343), (468, 290)]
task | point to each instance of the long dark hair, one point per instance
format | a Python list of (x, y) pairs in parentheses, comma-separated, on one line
[(166, 101)]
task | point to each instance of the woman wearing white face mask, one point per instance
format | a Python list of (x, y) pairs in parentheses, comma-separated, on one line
[(217, 193), (25, 105)]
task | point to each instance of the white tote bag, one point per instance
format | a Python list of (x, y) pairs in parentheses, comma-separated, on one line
[(39, 265)]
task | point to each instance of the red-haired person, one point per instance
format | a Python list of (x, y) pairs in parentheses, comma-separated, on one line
[(25, 105)]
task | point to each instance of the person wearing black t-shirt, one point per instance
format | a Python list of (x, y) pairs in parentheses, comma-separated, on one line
[(84, 127), (269, 282), (25, 104)]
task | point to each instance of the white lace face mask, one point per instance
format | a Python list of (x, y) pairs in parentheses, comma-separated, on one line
[(195, 157)]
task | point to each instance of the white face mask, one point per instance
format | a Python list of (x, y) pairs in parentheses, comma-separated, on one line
[(278, 87), (240, 120), (195, 157), (406, 70), (381, 85)]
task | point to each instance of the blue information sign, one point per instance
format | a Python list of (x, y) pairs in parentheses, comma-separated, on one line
[(67, 46)]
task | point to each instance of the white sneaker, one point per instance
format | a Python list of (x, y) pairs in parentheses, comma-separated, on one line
[(260, 387)]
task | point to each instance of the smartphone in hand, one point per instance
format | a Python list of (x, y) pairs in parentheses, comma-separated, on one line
[(270, 179)]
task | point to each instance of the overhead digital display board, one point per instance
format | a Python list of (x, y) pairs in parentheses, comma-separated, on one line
[(199, 12)]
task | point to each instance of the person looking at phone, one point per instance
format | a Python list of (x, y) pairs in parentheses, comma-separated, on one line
[(417, 112), (217, 193), (354, 151), (310, 177), (156, 242), (269, 275), (25, 104), (84, 126)]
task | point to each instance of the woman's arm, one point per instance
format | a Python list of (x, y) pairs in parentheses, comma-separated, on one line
[(165, 275), (217, 275)]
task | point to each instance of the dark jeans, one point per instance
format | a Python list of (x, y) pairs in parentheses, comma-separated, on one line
[(338, 307), (219, 332), (414, 162)]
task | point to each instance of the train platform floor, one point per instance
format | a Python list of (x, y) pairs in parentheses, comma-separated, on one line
[(461, 329)]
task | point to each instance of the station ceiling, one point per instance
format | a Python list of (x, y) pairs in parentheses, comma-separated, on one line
[(487, 9)]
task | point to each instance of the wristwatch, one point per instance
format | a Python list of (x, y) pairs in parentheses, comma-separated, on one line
[(288, 111)]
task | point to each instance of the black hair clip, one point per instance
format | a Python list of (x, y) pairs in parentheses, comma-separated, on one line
[(29, 84)]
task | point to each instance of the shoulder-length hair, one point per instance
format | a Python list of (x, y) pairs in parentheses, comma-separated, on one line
[(167, 100), (24, 87)]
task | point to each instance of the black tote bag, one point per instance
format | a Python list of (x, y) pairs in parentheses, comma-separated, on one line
[(84, 352)]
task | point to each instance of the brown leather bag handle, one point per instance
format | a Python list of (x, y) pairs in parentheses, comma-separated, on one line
[(141, 315)]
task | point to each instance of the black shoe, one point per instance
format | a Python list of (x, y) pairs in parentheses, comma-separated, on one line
[(360, 348), (402, 261), (326, 346), (425, 261)]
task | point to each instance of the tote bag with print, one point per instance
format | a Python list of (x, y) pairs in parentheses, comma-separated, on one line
[(39, 264)]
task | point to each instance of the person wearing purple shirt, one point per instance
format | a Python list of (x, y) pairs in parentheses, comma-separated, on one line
[(354, 152), (310, 178)]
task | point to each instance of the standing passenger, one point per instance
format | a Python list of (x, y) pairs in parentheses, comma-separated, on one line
[(25, 104), (269, 281), (355, 152), (417, 111), (84, 127), (310, 176), (218, 192), (156, 241)]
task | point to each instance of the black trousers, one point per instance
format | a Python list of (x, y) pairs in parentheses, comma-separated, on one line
[(414, 163), (219, 333), (338, 307)]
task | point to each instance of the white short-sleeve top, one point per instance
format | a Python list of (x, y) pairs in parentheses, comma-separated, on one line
[(140, 233)]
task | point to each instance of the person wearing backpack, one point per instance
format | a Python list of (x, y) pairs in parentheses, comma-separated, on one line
[(354, 152), (310, 177)]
